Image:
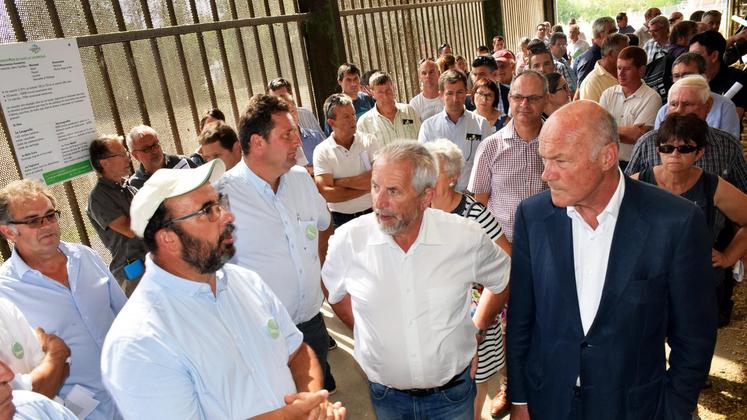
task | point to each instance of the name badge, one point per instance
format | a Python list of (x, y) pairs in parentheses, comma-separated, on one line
[(473, 137), (407, 122)]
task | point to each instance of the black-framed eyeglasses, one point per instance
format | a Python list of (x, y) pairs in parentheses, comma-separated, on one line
[(533, 99), (152, 147), (212, 210), (683, 149), (37, 222), (125, 155), (559, 88)]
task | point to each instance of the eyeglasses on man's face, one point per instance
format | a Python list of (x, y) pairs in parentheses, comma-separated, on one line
[(212, 210), (148, 149), (37, 222)]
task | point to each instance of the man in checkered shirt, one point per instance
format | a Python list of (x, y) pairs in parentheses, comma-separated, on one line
[(507, 168)]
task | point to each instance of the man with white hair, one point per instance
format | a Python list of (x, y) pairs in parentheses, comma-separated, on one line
[(723, 154), (584, 64), (419, 264), (202, 338), (145, 146)]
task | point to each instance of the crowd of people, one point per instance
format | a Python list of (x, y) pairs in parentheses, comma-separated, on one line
[(504, 221)]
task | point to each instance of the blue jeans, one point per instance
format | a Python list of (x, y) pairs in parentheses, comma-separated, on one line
[(455, 403)]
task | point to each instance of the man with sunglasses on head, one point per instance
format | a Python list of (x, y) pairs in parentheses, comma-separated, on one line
[(145, 146), (109, 210), (202, 338), (507, 168), (64, 288)]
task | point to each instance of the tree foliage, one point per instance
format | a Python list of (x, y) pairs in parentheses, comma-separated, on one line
[(590, 10)]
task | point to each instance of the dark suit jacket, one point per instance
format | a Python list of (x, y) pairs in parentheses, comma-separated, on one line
[(658, 286)]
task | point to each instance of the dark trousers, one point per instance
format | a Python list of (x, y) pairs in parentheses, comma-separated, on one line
[(339, 219), (315, 335)]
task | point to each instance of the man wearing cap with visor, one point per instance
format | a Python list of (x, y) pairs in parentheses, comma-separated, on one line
[(201, 338)]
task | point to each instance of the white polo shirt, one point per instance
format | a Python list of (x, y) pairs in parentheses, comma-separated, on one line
[(411, 309), (331, 158), (404, 127), (467, 133), (639, 108), (425, 107), (19, 348)]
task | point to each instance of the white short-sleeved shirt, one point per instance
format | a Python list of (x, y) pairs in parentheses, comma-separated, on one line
[(331, 158), (425, 107), (405, 126), (19, 348), (277, 234), (638, 108), (411, 309), (468, 133), (178, 351)]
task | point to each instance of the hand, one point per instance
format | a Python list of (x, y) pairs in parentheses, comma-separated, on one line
[(718, 259), (473, 366), (7, 409), (306, 405), (330, 411), (52, 345), (519, 412)]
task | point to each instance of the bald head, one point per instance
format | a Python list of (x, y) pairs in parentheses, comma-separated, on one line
[(584, 121)]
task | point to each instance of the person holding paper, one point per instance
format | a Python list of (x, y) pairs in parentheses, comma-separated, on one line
[(342, 163), (62, 287)]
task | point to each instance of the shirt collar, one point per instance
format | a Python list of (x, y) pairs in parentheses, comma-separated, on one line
[(21, 268), (260, 184), (428, 234), (612, 209), (181, 285), (446, 118)]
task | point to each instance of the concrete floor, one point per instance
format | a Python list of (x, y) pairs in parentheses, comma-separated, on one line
[(352, 387)]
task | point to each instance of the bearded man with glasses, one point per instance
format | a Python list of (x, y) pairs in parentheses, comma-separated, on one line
[(62, 287)]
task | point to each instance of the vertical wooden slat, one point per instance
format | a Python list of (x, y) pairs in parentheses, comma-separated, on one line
[(431, 25), (158, 61), (68, 186), (224, 60), (291, 59), (132, 67), (359, 56), (273, 41), (385, 66), (370, 52), (307, 68), (203, 55), (346, 37), (400, 38), (184, 68), (98, 50), (242, 51), (258, 45), (421, 28)]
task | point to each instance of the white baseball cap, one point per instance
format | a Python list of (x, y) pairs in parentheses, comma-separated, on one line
[(168, 183)]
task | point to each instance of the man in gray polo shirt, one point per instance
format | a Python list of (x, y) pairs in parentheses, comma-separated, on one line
[(109, 210), (465, 128)]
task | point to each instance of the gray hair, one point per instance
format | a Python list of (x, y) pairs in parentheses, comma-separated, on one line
[(379, 78), (137, 133), (447, 153), (695, 81), (660, 20), (605, 131), (424, 165), (22, 189), (529, 72), (600, 25), (450, 77), (689, 58), (332, 102), (613, 42)]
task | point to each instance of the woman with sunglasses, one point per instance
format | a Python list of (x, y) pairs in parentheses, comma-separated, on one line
[(486, 96), (558, 94), (680, 142)]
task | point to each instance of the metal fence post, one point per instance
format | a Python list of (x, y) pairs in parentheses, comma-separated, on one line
[(492, 16), (324, 45)]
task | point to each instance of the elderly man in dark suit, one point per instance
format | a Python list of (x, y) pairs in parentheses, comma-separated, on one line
[(604, 270)]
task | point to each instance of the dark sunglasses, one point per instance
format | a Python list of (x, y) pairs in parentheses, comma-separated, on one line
[(684, 149)]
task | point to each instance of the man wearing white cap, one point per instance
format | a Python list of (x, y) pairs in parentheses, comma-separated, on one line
[(199, 338)]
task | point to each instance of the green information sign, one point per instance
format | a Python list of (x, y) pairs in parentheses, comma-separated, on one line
[(68, 172)]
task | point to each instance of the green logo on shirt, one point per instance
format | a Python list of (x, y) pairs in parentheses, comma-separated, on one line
[(311, 232), (272, 328), (17, 350)]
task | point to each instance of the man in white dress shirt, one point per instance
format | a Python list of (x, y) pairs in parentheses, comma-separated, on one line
[(401, 279), (389, 120), (465, 128), (282, 221)]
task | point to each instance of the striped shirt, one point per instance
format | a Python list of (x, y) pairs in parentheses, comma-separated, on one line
[(509, 170), (564, 68), (473, 209), (723, 157), (405, 126), (653, 50)]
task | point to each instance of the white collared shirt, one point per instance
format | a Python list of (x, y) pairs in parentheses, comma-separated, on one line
[(638, 108), (404, 127), (331, 158), (411, 309), (178, 351), (591, 252), (19, 348), (277, 234), (467, 133)]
